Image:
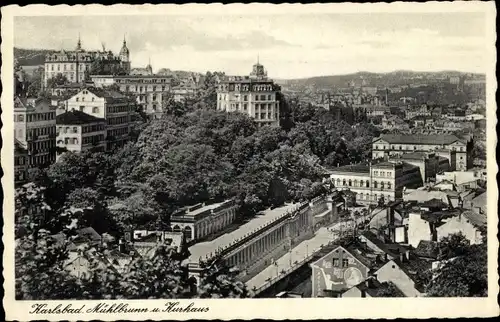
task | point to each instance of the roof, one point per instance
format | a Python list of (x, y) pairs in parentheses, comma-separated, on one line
[(373, 287), (413, 268), (75, 117), (89, 233), (199, 210), (475, 218), (432, 139), (360, 168), (434, 203), (427, 249), (480, 200), (19, 147), (106, 93)]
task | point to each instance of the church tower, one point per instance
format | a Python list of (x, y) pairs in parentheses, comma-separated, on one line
[(125, 56)]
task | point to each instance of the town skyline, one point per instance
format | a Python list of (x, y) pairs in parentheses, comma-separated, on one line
[(346, 44)]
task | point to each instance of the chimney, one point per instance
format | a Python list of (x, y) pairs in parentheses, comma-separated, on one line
[(401, 257), (121, 246)]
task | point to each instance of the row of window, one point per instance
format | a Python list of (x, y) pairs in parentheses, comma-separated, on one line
[(375, 197), (42, 159), (118, 132), (83, 97), (336, 262), (42, 146), (93, 139), (257, 97), (35, 117), (66, 67), (118, 120), (132, 88), (118, 109), (262, 116), (382, 173), (143, 81), (48, 130), (363, 184), (405, 147), (20, 160)]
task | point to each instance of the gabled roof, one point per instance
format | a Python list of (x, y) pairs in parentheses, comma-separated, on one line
[(476, 219), (76, 117), (374, 287), (427, 249)]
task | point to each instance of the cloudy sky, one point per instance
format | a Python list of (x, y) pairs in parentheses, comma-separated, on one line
[(295, 46)]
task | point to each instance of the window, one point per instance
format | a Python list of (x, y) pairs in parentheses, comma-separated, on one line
[(375, 184), (95, 110), (21, 118), (92, 99), (350, 183), (388, 185), (345, 262), (75, 129), (245, 105), (268, 97), (77, 99), (336, 262), (245, 98), (367, 184), (82, 108), (343, 182), (375, 173)]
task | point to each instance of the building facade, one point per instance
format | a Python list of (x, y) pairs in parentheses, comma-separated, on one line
[(76, 65), (379, 180), (20, 164), (78, 131), (200, 221), (394, 145), (149, 90), (255, 95), (429, 163), (35, 130), (114, 107)]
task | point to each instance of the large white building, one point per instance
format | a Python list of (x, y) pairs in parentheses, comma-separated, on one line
[(255, 95), (114, 107)]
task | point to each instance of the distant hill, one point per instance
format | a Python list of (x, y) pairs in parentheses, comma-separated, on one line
[(31, 57), (396, 78)]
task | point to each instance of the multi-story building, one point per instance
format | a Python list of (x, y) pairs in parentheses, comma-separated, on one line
[(255, 95), (200, 221), (149, 90), (114, 107), (421, 110), (20, 163), (379, 180), (430, 163), (78, 131), (391, 145), (76, 65), (35, 130)]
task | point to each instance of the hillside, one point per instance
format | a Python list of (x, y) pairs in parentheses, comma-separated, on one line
[(31, 57), (396, 78)]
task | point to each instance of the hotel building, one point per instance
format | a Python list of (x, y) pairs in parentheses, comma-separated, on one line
[(394, 145), (371, 182), (78, 131), (114, 107), (76, 65), (35, 130), (148, 89), (255, 95)]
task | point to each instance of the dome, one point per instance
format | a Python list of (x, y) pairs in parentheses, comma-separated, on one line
[(124, 50)]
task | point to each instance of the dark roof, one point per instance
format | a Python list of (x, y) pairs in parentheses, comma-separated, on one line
[(362, 167), (434, 203), (18, 147), (76, 117), (414, 268), (109, 95), (373, 287), (427, 249), (418, 139), (476, 219)]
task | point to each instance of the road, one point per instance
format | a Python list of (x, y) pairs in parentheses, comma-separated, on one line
[(322, 237)]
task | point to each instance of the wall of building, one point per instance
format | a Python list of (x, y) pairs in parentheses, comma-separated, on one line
[(391, 272), (460, 224)]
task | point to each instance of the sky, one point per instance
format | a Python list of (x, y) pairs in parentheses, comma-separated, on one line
[(289, 46)]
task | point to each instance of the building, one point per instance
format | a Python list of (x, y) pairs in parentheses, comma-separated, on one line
[(35, 130), (76, 65), (392, 144), (255, 95), (338, 271), (379, 180), (433, 220), (147, 71), (414, 111), (371, 287), (114, 107), (21, 161), (149, 90), (144, 241), (200, 220), (429, 163), (404, 274), (462, 180), (78, 131)]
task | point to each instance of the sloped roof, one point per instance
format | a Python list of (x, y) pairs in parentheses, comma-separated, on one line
[(476, 219), (374, 287), (76, 117), (431, 139), (427, 249)]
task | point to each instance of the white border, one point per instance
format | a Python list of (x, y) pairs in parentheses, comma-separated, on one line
[(257, 308)]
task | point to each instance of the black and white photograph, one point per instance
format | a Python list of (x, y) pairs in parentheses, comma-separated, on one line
[(246, 155)]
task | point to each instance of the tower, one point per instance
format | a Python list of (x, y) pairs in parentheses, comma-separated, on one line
[(125, 56), (149, 68), (79, 44)]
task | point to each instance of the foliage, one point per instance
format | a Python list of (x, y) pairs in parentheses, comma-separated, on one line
[(463, 271), (388, 289), (220, 282), (57, 80)]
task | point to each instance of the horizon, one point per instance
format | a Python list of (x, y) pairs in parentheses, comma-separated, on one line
[(315, 45)]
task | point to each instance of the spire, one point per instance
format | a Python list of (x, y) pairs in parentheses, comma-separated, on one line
[(257, 58), (79, 44), (124, 41)]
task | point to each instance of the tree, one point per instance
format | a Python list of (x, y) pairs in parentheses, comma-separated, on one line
[(463, 271), (220, 282), (57, 80)]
